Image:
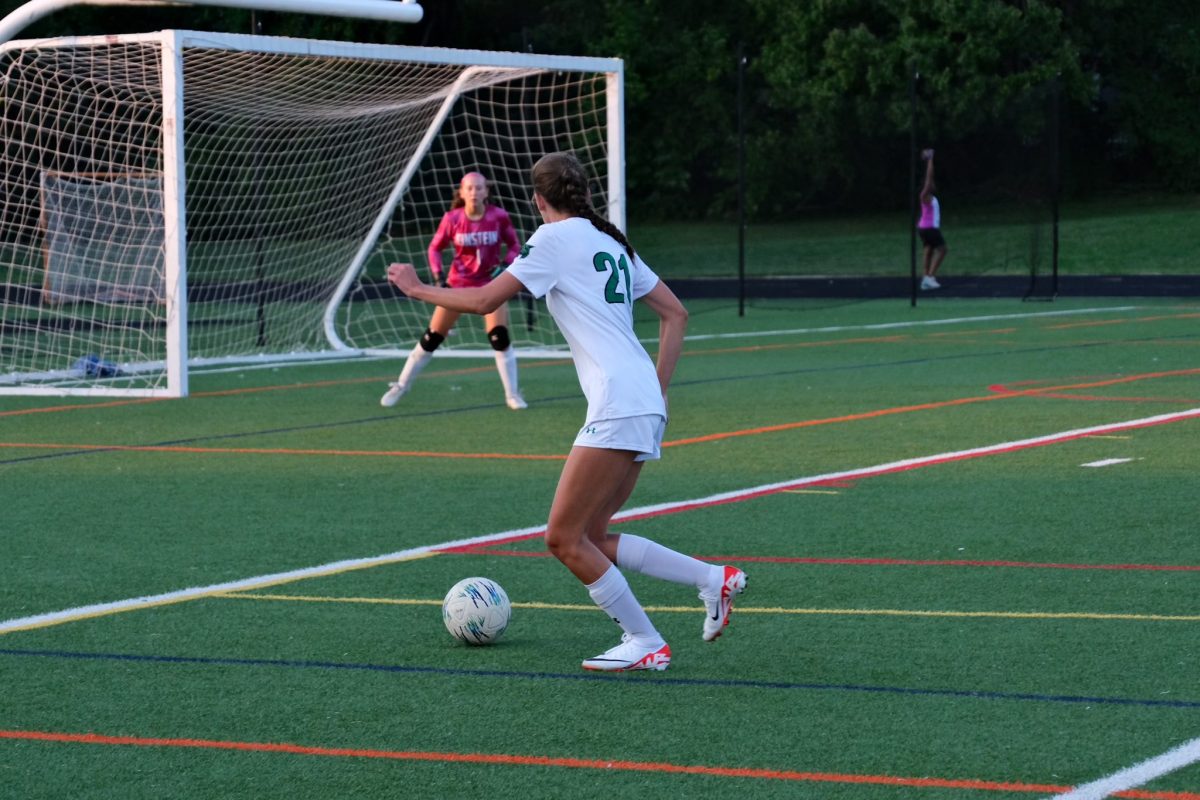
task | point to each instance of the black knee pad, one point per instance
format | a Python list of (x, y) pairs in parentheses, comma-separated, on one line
[(498, 336), (430, 340)]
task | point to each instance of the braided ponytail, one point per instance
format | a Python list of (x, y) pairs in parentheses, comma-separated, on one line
[(561, 180)]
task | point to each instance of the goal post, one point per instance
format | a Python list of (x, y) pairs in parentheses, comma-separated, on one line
[(289, 173)]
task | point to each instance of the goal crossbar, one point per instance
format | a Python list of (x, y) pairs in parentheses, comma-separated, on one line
[(408, 11)]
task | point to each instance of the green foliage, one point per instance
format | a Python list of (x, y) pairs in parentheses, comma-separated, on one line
[(681, 67), (827, 91), (837, 78), (1144, 57)]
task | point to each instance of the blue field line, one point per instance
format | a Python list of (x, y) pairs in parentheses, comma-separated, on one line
[(591, 676), (571, 397)]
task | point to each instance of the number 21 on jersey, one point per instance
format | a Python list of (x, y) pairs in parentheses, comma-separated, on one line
[(617, 269)]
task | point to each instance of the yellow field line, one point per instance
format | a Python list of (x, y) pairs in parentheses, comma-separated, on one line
[(870, 612), (188, 595)]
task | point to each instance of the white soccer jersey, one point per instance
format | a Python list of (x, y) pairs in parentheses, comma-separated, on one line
[(590, 283)]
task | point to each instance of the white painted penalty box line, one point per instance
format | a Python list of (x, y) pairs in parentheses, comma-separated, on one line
[(1138, 775), (262, 581), (921, 323)]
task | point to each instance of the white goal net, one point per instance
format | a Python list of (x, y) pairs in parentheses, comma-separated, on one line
[(88, 216), (183, 198)]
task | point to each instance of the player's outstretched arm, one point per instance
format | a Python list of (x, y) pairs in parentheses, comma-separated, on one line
[(927, 189), (473, 300)]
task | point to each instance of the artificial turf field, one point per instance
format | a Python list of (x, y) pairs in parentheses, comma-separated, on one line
[(970, 529)]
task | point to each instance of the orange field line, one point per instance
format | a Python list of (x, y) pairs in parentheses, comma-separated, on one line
[(463, 371), (758, 348), (571, 763), (1098, 323), (110, 404), (255, 390), (280, 451), (999, 393), (556, 362), (351, 381)]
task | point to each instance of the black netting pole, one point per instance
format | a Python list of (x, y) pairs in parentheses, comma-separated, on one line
[(914, 76), (1055, 180), (741, 190)]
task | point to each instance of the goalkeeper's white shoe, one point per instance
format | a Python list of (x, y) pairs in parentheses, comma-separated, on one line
[(631, 655), (516, 402), (393, 394), (718, 605)]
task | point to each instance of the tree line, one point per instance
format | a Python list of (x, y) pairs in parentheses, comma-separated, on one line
[(831, 91)]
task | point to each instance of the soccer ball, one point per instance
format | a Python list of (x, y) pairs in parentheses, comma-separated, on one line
[(476, 611)]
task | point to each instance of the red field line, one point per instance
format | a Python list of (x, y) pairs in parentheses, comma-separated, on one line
[(569, 763)]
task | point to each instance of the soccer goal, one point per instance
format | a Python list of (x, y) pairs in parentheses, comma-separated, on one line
[(177, 198)]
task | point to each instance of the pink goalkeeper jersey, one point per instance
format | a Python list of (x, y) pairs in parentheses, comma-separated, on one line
[(476, 245)]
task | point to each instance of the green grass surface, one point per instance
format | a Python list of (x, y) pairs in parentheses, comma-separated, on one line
[(1120, 236), (1137, 235), (948, 624)]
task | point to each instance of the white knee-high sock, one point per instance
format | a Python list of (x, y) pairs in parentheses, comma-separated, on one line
[(416, 362), (651, 558), (612, 593), (506, 365)]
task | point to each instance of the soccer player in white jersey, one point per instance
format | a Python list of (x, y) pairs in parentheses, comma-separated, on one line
[(590, 276)]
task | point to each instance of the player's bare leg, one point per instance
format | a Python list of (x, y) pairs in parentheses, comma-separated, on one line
[(590, 481)]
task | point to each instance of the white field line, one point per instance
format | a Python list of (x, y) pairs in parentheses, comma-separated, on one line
[(1107, 462), (883, 326), (274, 579), (1137, 775), (359, 358)]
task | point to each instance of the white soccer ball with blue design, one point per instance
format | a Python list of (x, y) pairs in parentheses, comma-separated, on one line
[(476, 611)]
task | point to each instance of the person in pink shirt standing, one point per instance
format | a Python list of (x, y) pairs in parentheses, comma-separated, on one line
[(929, 228), (476, 229)]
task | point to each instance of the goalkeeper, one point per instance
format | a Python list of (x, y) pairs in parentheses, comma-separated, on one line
[(476, 229)]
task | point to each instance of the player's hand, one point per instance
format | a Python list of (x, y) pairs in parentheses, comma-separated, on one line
[(927, 154), (403, 277)]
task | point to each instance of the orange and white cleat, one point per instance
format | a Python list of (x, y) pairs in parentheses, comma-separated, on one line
[(630, 655), (719, 605)]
